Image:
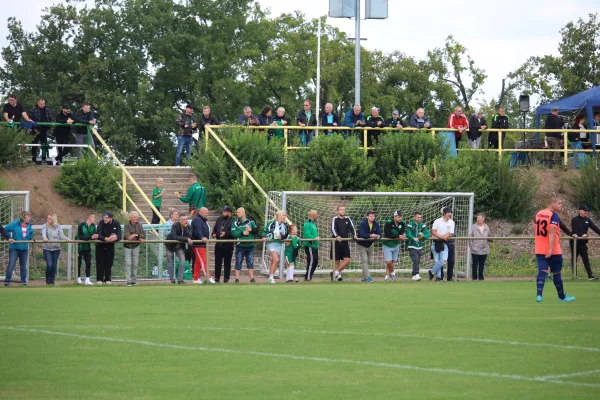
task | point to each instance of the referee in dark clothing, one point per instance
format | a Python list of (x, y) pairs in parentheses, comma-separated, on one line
[(579, 227)]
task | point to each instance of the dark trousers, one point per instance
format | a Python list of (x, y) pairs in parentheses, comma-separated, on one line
[(450, 245), (61, 138), (312, 261), (155, 217), (582, 250), (51, 258), (457, 140), (415, 256), (478, 266), (84, 255), (41, 138), (105, 256), (223, 255)]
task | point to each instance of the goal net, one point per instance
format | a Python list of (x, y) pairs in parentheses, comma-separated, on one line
[(298, 204), (11, 206)]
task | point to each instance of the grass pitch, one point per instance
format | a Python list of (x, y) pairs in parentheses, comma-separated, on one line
[(305, 341)]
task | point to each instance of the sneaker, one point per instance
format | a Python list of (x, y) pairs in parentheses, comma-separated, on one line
[(251, 280), (199, 282), (99, 283), (88, 282), (339, 278), (387, 278), (108, 283), (393, 276), (23, 285), (290, 281), (211, 281), (271, 279), (414, 278), (538, 299), (237, 281), (438, 279), (451, 280), (364, 280), (225, 280), (54, 161), (370, 280), (173, 281), (129, 284), (180, 282), (430, 274), (567, 299), (79, 282), (417, 277), (593, 278), (177, 166)]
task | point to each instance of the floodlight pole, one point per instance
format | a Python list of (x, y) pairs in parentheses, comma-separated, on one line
[(318, 75), (357, 56)]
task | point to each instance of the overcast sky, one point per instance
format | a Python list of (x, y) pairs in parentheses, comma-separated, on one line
[(500, 35)]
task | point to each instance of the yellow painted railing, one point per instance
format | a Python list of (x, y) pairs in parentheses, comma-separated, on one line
[(365, 133)]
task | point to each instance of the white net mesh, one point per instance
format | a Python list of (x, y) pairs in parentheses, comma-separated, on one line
[(298, 204), (11, 206)]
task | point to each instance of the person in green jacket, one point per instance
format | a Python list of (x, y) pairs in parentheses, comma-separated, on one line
[(291, 251), (245, 229), (417, 233), (275, 232), (311, 247), (196, 195), (85, 231), (392, 229)]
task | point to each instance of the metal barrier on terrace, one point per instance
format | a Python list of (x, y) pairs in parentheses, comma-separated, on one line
[(325, 268), (364, 132)]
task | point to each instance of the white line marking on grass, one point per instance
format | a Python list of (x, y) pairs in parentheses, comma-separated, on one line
[(327, 332), (300, 358), (548, 377)]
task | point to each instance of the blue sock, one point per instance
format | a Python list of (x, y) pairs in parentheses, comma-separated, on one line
[(540, 281), (558, 283)]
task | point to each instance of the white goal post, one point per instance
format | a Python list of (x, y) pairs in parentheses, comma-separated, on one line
[(298, 204)]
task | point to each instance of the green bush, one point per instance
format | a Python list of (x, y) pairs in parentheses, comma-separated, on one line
[(333, 163), (397, 153), (90, 182), (588, 186), (12, 152), (500, 191)]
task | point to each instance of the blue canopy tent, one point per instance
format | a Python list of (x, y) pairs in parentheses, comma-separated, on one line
[(586, 102)]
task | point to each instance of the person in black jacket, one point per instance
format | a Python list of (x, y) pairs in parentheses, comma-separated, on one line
[(63, 133), (329, 118), (109, 231), (41, 113), (579, 226), (376, 122), (341, 228), (554, 139), (500, 121), (200, 236), (84, 115), (395, 121), (207, 119), (181, 232), (306, 117), (223, 251), (477, 123)]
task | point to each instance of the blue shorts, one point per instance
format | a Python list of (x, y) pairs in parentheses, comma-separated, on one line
[(390, 253), (240, 253), (553, 264), (275, 246)]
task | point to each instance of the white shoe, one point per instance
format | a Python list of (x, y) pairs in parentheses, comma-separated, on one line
[(414, 278), (211, 281), (54, 161), (271, 279), (88, 282), (109, 282), (417, 277), (79, 281), (187, 166), (393, 277), (99, 283), (387, 278), (177, 166), (198, 282)]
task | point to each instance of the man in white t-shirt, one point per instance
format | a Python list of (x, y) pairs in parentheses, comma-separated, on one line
[(442, 230)]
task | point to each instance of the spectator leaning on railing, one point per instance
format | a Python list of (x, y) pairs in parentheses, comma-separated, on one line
[(207, 119), (40, 113), (247, 118), (329, 118), (186, 124), (274, 233), (374, 121), (417, 233), (62, 133), (134, 231), (201, 235), (180, 231), (13, 111), (244, 229), (306, 117), (52, 231), (311, 247), (393, 229), (84, 115), (354, 118), (419, 120), (109, 232), (457, 120), (554, 140), (85, 231), (500, 121), (223, 251), (280, 119), (395, 121), (476, 125), (367, 229), (18, 230)]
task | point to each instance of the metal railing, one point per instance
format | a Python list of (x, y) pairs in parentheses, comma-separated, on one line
[(321, 240), (364, 131), (16, 126)]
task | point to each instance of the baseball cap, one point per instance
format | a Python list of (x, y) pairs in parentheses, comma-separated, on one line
[(189, 105), (227, 208), (397, 213), (395, 112), (446, 210), (108, 214), (583, 207)]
